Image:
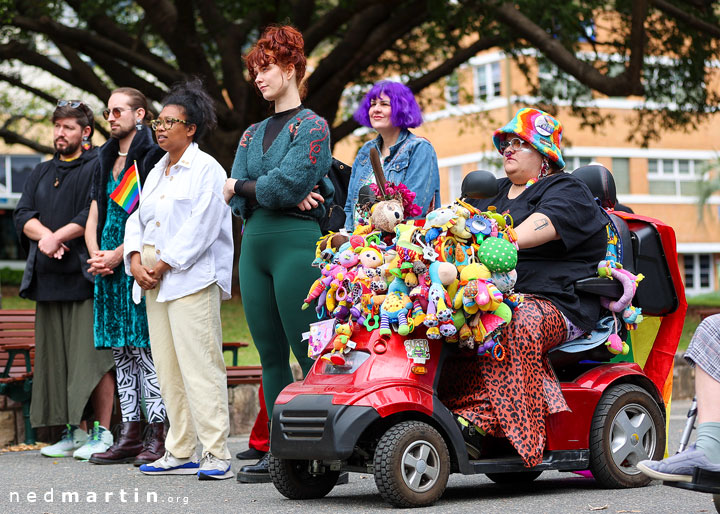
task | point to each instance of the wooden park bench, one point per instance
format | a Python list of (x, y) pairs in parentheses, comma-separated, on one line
[(17, 357), (240, 374)]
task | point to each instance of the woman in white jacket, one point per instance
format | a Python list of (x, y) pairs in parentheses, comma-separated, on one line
[(178, 247)]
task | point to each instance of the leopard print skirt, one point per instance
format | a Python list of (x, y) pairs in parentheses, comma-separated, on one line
[(511, 398)]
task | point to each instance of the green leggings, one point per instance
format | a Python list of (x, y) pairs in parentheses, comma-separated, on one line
[(275, 275)]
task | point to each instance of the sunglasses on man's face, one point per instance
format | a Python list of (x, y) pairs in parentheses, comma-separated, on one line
[(116, 112), (72, 103)]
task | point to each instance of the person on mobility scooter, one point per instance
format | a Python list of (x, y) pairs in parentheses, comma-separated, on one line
[(372, 402)]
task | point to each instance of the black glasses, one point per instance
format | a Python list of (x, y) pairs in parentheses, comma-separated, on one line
[(72, 103), (116, 111), (166, 123)]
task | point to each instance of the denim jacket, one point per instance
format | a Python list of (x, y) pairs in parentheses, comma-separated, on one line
[(412, 161)]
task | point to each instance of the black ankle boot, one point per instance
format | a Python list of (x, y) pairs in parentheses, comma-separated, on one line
[(258, 473)]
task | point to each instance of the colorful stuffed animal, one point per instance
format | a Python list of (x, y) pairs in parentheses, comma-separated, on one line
[(386, 215), (341, 344)]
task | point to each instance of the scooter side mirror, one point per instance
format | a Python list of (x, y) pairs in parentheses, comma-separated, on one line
[(479, 184)]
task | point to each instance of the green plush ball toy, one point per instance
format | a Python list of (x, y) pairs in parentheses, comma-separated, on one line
[(499, 255)]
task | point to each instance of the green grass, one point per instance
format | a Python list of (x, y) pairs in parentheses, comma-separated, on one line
[(705, 300), (233, 323), (691, 323)]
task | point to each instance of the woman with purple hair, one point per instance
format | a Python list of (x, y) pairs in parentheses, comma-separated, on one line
[(390, 108)]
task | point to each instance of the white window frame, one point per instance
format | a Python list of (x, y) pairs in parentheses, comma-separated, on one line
[(694, 260), (483, 76), (455, 178), (7, 195), (668, 170)]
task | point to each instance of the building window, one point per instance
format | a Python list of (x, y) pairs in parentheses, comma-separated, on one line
[(698, 273), (14, 171), (621, 174), (455, 178), (452, 89), (487, 81), (573, 163), (675, 177)]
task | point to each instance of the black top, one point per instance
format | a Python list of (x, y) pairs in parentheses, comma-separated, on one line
[(57, 193), (276, 123), (143, 150), (551, 269)]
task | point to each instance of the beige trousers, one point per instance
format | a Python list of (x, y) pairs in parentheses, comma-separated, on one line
[(186, 343)]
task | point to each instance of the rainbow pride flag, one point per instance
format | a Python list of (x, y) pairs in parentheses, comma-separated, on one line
[(127, 193)]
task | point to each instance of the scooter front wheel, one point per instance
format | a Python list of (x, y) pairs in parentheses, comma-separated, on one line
[(412, 464), (293, 479)]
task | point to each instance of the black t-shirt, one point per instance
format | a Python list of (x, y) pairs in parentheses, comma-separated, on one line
[(551, 270), (276, 123)]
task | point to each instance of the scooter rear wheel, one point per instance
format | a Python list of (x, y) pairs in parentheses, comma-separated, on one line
[(412, 464), (627, 427), (716, 501)]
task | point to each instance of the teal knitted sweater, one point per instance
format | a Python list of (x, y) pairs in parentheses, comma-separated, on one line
[(298, 160)]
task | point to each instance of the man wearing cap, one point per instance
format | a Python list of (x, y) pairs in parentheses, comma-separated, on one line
[(50, 219), (561, 237)]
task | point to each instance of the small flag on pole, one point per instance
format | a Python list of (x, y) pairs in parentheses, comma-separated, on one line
[(127, 193)]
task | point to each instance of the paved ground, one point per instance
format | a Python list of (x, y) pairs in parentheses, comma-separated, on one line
[(25, 476)]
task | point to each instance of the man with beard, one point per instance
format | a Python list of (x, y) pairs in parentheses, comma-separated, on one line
[(50, 219), (120, 324)]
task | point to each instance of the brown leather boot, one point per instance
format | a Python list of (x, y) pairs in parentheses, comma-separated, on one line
[(154, 445), (128, 445)]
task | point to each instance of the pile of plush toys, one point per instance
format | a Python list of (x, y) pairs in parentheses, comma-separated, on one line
[(451, 273), (631, 315)]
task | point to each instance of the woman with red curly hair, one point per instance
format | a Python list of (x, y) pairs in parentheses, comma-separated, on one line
[(278, 164)]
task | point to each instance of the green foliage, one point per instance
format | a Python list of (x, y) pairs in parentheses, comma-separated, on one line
[(10, 277)]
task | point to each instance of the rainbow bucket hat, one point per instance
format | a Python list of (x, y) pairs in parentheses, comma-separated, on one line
[(539, 129)]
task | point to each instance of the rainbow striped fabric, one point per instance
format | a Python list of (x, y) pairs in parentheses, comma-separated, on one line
[(127, 193)]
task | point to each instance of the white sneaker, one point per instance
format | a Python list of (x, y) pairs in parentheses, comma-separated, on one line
[(100, 440), (169, 465), (72, 439), (213, 467)]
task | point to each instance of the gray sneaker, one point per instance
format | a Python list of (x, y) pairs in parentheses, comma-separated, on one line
[(678, 468)]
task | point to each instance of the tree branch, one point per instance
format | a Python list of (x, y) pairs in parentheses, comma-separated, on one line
[(338, 67), (621, 85), (229, 40), (302, 11), (687, 18), (332, 20), (13, 138), (19, 51), (175, 23), (80, 39), (451, 64), (15, 81), (82, 71)]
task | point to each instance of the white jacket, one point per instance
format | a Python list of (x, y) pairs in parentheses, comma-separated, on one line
[(194, 235)]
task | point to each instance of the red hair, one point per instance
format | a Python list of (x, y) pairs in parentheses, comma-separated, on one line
[(279, 44)]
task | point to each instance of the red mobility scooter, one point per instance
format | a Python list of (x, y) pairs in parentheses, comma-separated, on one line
[(374, 415)]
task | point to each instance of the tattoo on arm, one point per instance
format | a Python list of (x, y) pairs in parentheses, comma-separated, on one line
[(541, 224)]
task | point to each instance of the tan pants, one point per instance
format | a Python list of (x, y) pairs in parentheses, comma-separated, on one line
[(186, 342)]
